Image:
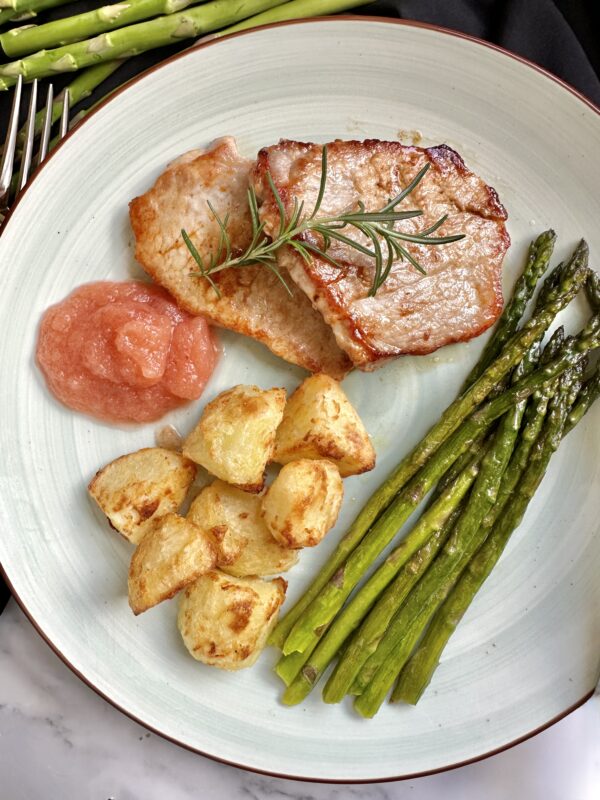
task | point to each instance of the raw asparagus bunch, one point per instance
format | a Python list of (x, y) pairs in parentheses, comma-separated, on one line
[(162, 31), (21, 10), (30, 38)]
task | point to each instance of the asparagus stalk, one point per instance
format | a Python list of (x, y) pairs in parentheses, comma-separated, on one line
[(9, 14), (373, 629), (503, 520), (134, 39), (587, 396), (159, 32), (79, 89), (295, 9), (569, 282), (459, 465), (592, 290), (29, 39), (6, 14), (408, 625), (436, 579), (22, 7), (538, 258), (374, 626), (534, 417), (426, 537)]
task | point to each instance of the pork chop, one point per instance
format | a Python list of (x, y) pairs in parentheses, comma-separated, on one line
[(461, 294), (253, 301)]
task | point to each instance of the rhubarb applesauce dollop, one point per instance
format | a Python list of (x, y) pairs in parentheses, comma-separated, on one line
[(124, 352)]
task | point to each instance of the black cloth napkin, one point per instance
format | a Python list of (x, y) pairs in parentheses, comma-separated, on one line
[(560, 35)]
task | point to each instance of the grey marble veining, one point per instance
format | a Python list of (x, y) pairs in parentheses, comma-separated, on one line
[(58, 739)]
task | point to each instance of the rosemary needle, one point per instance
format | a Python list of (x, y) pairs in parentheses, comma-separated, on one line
[(378, 228)]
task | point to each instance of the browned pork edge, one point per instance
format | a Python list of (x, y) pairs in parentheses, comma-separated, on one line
[(443, 159)]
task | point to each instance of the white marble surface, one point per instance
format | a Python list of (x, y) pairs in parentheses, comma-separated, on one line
[(58, 739)]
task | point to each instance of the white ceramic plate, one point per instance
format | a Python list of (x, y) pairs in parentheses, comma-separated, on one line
[(527, 650)]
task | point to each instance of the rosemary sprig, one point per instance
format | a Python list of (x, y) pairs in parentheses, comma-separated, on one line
[(378, 228)]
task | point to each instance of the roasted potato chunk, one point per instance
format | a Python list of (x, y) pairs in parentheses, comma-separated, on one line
[(172, 555), (303, 502), (235, 436), (232, 518), (139, 488), (225, 621), (320, 422)]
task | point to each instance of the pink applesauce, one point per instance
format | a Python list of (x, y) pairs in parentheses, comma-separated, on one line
[(124, 352)]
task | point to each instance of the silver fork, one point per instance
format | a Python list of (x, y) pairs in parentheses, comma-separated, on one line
[(8, 188)]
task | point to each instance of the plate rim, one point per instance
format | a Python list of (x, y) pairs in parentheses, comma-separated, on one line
[(205, 42)]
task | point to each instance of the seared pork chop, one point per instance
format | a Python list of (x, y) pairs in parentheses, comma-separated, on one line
[(253, 301), (461, 294)]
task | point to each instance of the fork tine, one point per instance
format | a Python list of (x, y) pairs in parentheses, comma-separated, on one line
[(29, 137), (64, 119), (47, 125), (8, 157)]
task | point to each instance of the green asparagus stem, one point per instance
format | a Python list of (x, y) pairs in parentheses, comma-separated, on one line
[(425, 539), (79, 89), (6, 14), (134, 39), (592, 290), (27, 6), (31, 38), (378, 673), (420, 674), (159, 32), (540, 252), (504, 518), (569, 283), (295, 9), (373, 626), (589, 393), (459, 465), (409, 623)]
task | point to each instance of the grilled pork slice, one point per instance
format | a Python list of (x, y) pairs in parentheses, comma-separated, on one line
[(253, 301), (461, 294)]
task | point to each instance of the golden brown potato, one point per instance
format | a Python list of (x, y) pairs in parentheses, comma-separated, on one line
[(225, 621), (232, 518), (170, 556), (139, 488), (320, 422), (303, 502), (236, 433)]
